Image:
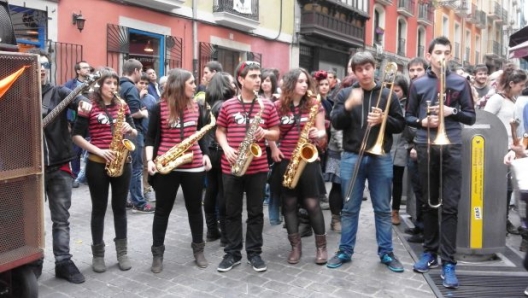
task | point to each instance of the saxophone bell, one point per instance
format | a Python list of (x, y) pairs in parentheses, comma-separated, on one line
[(129, 145)]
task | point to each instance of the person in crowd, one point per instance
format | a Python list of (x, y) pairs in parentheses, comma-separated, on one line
[(416, 68), (153, 88), (58, 150), (333, 85), (399, 151), (130, 94), (355, 110), (457, 104), (295, 109), (109, 119), (481, 80), (502, 104), (268, 89), (147, 101), (493, 88), (218, 91), (175, 119), (82, 70), (162, 83), (209, 71), (236, 118)]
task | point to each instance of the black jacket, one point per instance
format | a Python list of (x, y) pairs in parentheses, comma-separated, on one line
[(130, 94), (58, 144), (458, 95), (354, 122)]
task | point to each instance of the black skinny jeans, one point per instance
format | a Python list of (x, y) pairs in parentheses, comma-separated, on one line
[(214, 194), (98, 183), (397, 186), (166, 187), (441, 237), (335, 199)]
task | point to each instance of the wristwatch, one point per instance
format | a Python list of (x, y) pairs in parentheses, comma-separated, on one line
[(455, 111)]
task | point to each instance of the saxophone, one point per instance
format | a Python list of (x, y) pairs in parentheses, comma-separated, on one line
[(119, 145), (248, 149), (178, 155), (304, 151)]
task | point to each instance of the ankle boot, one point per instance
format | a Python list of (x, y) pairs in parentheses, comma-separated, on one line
[(213, 233), (335, 224), (157, 260), (98, 262), (296, 252), (198, 251), (321, 255), (395, 217), (122, 257)]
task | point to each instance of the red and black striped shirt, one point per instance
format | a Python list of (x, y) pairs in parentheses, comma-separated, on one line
[(99, 124), (171, 133), (232, 117), (290, 131)]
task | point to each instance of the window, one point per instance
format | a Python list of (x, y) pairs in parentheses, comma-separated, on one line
[(379, 25), (445, 26)]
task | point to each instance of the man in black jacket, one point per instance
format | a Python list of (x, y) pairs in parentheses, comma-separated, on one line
[(422, 113), (58, 152)]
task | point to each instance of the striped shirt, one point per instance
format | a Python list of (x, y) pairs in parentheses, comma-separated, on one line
[(99, 124), (171, 134), (289, 130), (233, 117)]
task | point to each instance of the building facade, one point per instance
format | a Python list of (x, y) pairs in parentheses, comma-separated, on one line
[(162, 34)]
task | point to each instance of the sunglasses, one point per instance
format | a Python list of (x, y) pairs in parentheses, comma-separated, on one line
[(246, 64), (46, 65)]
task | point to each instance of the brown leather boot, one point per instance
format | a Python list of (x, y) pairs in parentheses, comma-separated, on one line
[(335, 224), (321, 255), (198, 251), (296, 252), (395, 217)]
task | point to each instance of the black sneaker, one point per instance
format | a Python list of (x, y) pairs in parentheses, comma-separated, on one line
[(258, 264), (418, 238), (228, 263), (68, 271), (412, 231), (392, 262)]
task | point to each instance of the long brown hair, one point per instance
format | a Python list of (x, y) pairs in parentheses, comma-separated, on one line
[(106, 73), (174, 93), (289, 82)]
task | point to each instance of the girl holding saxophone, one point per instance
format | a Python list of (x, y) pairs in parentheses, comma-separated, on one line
[(108, 121), (177, 120), (302, 122)]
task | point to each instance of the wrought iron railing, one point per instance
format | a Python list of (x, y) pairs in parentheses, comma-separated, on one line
[(425, 13), (229, 6), (407, 5), (421, 51)]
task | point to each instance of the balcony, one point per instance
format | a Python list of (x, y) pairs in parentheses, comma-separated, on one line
[(481, 16), (384, 2), (162, 5), (328, 27), (401, 47), (425, 14), (421, 51), (462, 9), (493, 49), (406, 7), (495, 11), (241, 18), (504, 16), (472, 17)]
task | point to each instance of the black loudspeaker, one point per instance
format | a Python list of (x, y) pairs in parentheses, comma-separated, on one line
[(7, 33)]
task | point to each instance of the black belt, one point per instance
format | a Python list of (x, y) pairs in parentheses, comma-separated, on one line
[(217, 148)]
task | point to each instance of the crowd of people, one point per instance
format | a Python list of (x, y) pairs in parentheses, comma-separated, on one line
[(248, 133)]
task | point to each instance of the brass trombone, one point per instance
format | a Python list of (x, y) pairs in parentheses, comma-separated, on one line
[(441, 136), (377, 149)]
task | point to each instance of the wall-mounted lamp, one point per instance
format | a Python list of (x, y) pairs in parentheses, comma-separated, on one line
[(79, 20), (148, 47)]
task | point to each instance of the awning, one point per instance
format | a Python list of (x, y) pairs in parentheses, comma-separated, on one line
[(519, 37), (519, 51)]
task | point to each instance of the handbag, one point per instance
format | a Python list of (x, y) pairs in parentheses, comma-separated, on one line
[(519, 171)]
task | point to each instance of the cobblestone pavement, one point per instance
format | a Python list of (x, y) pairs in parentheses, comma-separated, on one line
[(364, 277)]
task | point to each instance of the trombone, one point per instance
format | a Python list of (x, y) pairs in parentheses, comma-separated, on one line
[(441, 136), (377, 149)]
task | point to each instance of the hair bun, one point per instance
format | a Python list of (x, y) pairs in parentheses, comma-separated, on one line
[(321, 75)]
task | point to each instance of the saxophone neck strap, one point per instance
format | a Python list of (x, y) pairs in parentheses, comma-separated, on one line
[(110, 118), (247, 114), (296, 116), (182, 126)]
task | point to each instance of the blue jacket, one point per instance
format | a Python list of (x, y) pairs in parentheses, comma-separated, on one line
[(152, 91)]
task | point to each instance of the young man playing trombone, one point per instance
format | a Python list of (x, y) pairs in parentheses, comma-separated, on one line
[(439, 146), (362, 111)]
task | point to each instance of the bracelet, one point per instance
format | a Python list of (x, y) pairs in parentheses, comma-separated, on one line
[(149, 160)]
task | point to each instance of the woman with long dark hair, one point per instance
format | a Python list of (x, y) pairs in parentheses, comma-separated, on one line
[(100, 124), (294, 108), (174, 119), (220, 89)]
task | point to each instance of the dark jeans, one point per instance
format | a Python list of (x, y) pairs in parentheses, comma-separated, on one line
[(214, 193), (58, 186), (414, 175), (166, 187), (76, 162), (234, 188), (136, 193), (98, 183), (397, 186), (441, 237), (335, 199)]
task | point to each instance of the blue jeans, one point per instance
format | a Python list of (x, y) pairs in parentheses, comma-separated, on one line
[(378, 171), (58, 186), (136, 193), (274, 207)]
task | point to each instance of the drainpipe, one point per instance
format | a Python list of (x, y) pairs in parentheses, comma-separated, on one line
[(195, 39)]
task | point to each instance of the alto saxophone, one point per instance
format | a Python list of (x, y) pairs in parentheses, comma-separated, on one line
[(119, 145), (178, 154), (248, 149), (304, 151)]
